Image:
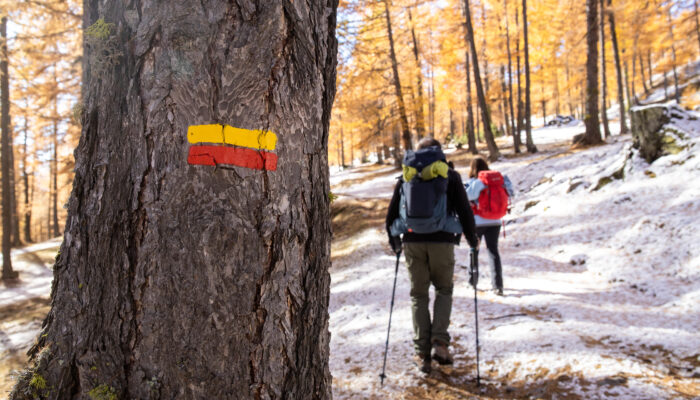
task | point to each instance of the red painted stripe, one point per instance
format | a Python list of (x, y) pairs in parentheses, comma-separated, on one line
[(238, 156)]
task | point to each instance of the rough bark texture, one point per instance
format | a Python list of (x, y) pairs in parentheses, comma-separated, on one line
[(7, 272), (197, 282), (591, 120), (648, 136), (529, 144), (485, 117), (618, 69), (405, 130)]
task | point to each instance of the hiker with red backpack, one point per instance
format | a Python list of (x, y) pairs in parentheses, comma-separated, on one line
[(430, 209), (489, 193)]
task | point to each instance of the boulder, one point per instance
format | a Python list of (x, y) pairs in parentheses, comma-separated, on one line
[(649, 133)]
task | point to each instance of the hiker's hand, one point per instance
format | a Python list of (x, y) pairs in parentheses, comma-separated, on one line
[(395, 243)]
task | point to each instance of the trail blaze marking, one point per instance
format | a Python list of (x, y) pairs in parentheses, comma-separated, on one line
[(225, 134), (212, 145), (240, 157)]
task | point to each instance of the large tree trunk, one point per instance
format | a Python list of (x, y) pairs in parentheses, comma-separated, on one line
[(529, 143), (592, 135), (405, 131), (485, 117), (604, 77), (198, 281), (5, 149), (420, 117), (618, 69)]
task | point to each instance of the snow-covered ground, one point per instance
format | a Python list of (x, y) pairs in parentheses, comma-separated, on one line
[(602, 287)]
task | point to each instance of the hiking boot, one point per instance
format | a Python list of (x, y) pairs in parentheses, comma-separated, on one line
[(441, 354), (423, 363), (498, 291)]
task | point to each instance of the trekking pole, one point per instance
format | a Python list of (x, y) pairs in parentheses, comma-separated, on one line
[(473, 279), (391, 309)]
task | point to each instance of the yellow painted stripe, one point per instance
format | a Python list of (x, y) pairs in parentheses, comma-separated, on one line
[(254, 139)]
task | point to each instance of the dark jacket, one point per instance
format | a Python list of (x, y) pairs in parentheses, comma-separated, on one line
[(456, 202)]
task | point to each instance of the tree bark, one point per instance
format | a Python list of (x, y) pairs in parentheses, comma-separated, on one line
[(420, 117), (7, 271), (515, 133), (197, 281), (592, 135), (405, 131), (54, 162), (529, 144), (485, 117), (618, 68), (604, 111)]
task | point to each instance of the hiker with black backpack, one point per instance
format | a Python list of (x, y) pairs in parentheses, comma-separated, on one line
[(430, 209), (489, 193)]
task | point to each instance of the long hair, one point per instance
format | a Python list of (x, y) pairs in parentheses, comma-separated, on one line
[(477, 165)]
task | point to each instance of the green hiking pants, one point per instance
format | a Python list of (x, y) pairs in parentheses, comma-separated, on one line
[(430, 263)]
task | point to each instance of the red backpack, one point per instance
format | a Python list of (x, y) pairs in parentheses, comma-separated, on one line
[(493, 199)]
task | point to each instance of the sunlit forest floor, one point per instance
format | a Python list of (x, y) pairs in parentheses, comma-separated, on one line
[(23, 306), (601, 286)]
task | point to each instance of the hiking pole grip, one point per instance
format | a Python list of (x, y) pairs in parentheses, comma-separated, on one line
[(391, 309)]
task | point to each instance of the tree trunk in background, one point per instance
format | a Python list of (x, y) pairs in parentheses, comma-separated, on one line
[(673, 57), (406, 132), (504, 91), (650, 68), (519, 124), (397, 148), (515, 133), (529, 144), (16, 234), (483, 50), (627, 84), (485, 117), (592, 135), (5, 149), (697, 22), (197, 281), (471, 136), (25, 181), (618, 68), (644, 78), (604, 110), (54, 181), (420, 117)]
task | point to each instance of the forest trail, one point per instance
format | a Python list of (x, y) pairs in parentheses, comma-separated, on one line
[(601, 286), (23, 306)]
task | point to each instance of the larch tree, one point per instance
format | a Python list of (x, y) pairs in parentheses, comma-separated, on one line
[(196, 252), (618, 69), (481, 97), (5, 155), (592, 135), (529, 143), (405, 130), (420, 118), (604, 77)]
